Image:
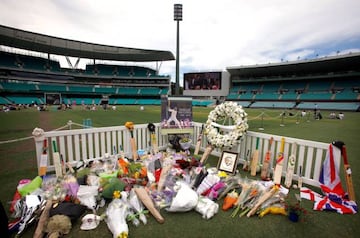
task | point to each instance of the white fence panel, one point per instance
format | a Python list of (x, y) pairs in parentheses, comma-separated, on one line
[(93, 143)]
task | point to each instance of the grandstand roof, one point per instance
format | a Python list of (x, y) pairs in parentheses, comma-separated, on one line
[(347, 62), (54, 45)]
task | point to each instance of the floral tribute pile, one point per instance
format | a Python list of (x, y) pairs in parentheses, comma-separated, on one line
[(131, 191)]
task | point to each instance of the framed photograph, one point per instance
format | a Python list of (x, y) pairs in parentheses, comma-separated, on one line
[(228, 162)]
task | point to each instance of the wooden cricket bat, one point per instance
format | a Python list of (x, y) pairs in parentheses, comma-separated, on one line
[(255, 158), (247, 161), (163, 175), (153, 139), (56, 159), (198, 142), (206, 154), (40, 228), (266, 164), (262, 199), (133, 146), (43, 160), (300, 178), (63, 164), (154, 143), (290, 166), (279, 163), (348, 177), (148, 203)]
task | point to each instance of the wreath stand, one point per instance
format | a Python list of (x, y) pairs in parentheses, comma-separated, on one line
[(223, 129), (221, 135)]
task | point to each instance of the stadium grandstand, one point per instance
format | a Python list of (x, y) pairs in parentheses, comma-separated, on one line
[(328, 83), (27, 78)]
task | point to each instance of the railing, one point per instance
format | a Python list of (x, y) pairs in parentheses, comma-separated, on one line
[(93, 143)]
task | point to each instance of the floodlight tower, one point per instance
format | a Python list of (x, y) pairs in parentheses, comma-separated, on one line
[(177, 18)]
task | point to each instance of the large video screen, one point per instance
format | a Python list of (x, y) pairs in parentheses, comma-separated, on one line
[(202, 81)]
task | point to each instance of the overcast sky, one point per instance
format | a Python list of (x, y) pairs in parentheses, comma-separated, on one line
[(214, 34)]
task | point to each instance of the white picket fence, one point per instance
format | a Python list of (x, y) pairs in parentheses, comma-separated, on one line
[(93, 143)]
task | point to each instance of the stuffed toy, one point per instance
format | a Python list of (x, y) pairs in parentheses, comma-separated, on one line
[(58, 226)]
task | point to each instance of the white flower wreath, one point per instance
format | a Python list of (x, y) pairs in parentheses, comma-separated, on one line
[(224, 111)]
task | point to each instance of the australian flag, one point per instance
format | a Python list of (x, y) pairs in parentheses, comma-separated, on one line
[(335, 198)]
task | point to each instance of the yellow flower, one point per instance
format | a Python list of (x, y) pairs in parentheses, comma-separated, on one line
[(116, 194), (123, 235), (222, 174)]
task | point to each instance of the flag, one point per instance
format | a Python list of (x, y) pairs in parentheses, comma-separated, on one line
[(335, 198), (330, 174), (308, 194)]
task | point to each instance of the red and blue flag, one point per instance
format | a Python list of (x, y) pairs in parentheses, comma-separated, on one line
[(335, 198)]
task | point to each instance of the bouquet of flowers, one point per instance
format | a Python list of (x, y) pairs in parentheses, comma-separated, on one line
[(116, 214)]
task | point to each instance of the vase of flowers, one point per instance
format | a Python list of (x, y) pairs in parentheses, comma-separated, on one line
[(185, 144)]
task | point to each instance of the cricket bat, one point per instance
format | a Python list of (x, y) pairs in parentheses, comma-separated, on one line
[(40, 228), (255, 158), (348, 177), (300, 178), (279, 163), (206, 154), (153, 140), (43, 159), (63, 164), (266, 164), (247, 161), (154, 143), (198, 142), (133, 147), (262, 199), (291, 167), (56, 159), (148, 203)]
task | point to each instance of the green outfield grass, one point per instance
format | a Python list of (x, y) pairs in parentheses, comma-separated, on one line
[(17, 161)]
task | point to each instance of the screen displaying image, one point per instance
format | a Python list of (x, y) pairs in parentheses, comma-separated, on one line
[(202, 81)]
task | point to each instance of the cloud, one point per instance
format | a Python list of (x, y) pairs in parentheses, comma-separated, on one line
[(213, 34)]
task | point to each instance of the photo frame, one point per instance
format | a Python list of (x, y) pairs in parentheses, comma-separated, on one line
[(228, 162)]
